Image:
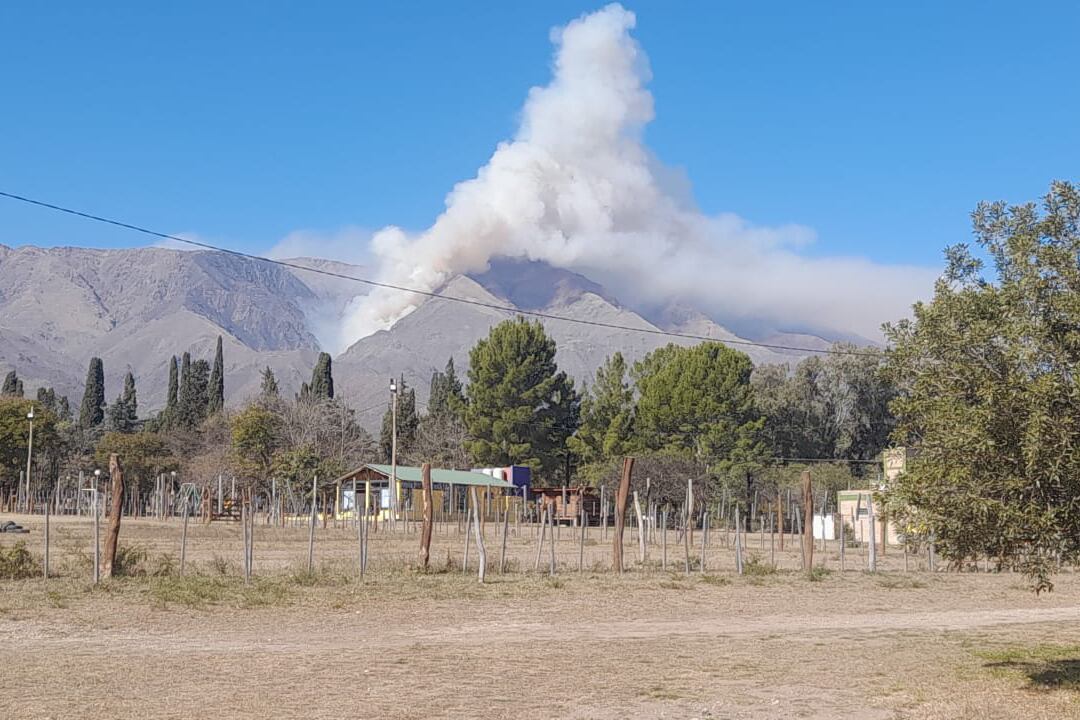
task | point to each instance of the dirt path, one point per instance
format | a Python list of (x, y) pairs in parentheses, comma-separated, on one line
[(642, 652)]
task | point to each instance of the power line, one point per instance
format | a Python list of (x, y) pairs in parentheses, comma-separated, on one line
[(427, 293)]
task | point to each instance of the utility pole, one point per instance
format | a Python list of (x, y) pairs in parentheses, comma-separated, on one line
[(29, 455)]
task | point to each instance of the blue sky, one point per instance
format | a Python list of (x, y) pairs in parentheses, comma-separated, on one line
[(878, 127)]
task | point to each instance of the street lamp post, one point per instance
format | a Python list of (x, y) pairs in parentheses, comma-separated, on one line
[(29, 455), (393, 447)]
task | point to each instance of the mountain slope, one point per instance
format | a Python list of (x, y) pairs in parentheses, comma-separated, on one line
[(136, 308)]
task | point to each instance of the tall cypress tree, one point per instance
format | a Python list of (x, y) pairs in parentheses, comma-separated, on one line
[(217, 382), (174, 386), (269, 387), (19, 388), (131, 402), (92, 411), (46, 398), (193, 400), (11, 383), (63, 409), (322, 379), (123, 415)]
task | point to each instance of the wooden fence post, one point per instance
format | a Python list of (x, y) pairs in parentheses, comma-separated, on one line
[(780, 517), (581, 541), (425, 533), (641, 528), (45, 558), (620, 514), (183, 540), (311, 527), (872, 557), (505, 531), (663, 538), (542, 532), (112, 537), (808, 522), (551, 518), (480, 551)]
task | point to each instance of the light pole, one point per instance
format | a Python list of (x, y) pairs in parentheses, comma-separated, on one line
[(29, 455), (393, 446)]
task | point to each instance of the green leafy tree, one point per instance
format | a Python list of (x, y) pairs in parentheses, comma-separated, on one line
[(144, 455), (255, 439), (92, 412), (216, 401), (832, 406), (15, 435), (989, 371), (697, 403), (521, 407), (607, 413), (322, 379), (407, 423)]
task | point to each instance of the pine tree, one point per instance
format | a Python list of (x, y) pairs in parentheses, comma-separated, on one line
[(92, 411), (322, 379), (606, 414), (217, 382), (521, 406), (11, 383), (446, 395), (19, 388), (269, 387)]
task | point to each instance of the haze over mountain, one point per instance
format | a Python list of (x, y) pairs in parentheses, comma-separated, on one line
[(138, 307)]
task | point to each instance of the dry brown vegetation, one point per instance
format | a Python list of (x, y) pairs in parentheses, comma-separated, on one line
[(591, 644)]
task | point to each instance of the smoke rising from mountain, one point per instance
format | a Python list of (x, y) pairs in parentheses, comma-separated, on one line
[(577, 188)]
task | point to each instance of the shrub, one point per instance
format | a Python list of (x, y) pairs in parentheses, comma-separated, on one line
[(18, 563)]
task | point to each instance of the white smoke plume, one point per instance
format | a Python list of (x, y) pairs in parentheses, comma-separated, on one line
[(577, 188)]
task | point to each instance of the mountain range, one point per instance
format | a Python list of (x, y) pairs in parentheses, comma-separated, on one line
[(135, 308)]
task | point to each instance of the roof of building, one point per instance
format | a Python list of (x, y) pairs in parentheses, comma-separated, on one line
[(412, 474)]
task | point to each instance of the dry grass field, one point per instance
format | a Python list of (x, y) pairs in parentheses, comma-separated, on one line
[(583, 644)]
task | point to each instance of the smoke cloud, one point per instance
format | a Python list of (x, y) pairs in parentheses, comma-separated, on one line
[(577, 188)]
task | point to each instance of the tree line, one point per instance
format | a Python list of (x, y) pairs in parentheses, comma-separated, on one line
[(981, 384)]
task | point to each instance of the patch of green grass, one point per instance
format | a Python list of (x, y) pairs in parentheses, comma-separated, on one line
[(200, 591), (56, 599), (819, 573), (1046, 666), (754, 566), (659, 692), (717, 580), (900, 582)]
